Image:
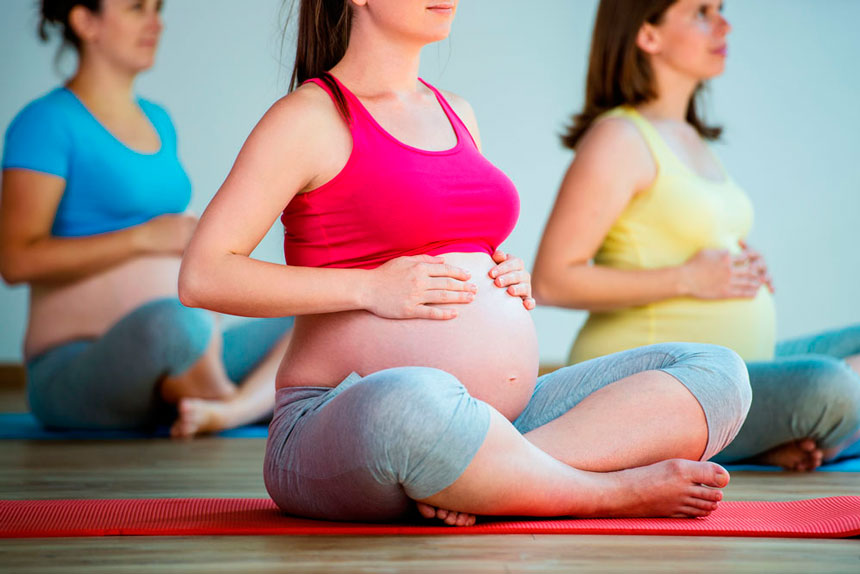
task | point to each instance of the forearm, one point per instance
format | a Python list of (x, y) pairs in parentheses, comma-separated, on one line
[(63, 259), (600, 288), (238, 285)]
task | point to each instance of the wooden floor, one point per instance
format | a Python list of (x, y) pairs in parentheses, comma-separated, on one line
[(232, 468)]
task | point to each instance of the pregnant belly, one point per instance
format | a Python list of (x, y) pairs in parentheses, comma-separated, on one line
[(87, 308), (491, 347), (747, 326)]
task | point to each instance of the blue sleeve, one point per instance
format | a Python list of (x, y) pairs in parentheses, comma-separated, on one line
[(38, 139)]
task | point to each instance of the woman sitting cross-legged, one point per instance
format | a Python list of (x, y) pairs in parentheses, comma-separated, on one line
[(411, 377)]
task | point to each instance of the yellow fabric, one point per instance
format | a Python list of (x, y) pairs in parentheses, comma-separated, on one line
[(664, 225)]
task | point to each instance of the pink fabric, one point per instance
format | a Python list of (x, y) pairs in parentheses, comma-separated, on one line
[(392, 200)]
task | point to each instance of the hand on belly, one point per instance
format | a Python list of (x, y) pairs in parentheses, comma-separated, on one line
[(490, 345)]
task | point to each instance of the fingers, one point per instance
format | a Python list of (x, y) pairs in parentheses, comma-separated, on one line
[(434, 313), (513, 278), (510, 265), (443, 296), (499, 256), (450, 284), (520, 290), (444, 270)]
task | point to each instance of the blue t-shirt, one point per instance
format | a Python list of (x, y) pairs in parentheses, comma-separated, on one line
[(109, 186)]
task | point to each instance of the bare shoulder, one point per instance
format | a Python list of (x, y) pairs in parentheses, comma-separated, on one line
[(305, 112), (460, 105), (464, 111), (616, 144)]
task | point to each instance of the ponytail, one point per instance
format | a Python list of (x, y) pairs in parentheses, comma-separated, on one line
[(323, 35)]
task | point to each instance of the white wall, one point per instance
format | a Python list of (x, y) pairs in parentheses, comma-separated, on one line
[(788, 102)]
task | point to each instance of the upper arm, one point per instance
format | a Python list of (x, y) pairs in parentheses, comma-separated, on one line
[(612, 164), (465, 112), (27, 210), (36, 159), (280, 158)]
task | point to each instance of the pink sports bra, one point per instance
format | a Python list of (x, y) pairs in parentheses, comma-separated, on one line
[(392, 200)]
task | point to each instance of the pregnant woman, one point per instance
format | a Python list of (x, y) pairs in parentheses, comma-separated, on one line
[(93, 219), (411, 376), (665, 226)]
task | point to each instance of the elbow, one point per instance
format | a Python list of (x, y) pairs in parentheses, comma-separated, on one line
[(543, 291), (12, 271), (540, 292), (549, 291), (190, 286)]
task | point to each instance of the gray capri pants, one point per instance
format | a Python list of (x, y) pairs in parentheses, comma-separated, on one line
[(364, 450), (112, 382)]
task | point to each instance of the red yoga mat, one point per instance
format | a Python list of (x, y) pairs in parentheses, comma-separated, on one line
[(835, 517)]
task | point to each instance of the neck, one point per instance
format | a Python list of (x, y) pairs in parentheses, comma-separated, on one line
[(375, 64), (102, 85), (674, 90)]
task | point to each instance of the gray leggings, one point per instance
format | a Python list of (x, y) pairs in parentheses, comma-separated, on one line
[(806, 391), (365, 449), (112, 382)]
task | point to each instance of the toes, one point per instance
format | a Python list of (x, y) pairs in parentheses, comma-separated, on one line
[(807, 445), (712, 474), (690, 511), (442, 514), (706, 494), (708, 505), (426, 510)]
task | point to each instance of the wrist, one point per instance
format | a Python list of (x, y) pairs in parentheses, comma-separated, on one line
[(362, 289), (138, 238), (681, 281)]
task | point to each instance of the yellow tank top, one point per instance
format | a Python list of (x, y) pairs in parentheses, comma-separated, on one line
[(664, 225)]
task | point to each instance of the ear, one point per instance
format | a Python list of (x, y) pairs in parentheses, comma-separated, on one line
[(83, 23), (648, 39), (358, 3)]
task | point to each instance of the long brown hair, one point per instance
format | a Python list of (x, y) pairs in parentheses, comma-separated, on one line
[(619, 73), (323, 35)]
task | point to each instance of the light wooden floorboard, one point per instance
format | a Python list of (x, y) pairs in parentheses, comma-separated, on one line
[(449, 554)]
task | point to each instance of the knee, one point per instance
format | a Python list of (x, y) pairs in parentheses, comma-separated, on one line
[(410, 400), (828, 393), (420, 428), (174, 332), (729, 377)]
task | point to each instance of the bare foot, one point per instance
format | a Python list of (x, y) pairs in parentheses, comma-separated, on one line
[(449, 517), (674, 488), (200, 416), (799, 455), (173, 389)]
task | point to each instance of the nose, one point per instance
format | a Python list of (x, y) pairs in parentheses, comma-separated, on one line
[(154, 23), (723, 26)]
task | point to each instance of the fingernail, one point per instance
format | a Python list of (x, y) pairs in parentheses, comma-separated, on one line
[(493, 273)]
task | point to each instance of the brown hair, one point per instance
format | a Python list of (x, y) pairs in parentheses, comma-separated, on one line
[(619, 73), (323, 35), (55, 14)]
